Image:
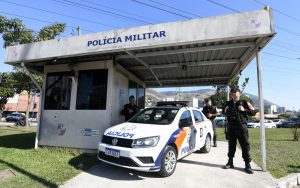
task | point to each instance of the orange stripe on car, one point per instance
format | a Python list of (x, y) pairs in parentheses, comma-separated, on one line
[(180, 138)]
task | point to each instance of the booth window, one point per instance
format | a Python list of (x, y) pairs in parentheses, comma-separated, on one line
[(132, 89), (58, 91), (141, 97), (92, 89)]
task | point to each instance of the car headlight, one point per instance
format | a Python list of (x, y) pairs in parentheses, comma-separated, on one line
[(145, 142)]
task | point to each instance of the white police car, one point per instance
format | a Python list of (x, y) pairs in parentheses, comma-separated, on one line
[(155, 138)]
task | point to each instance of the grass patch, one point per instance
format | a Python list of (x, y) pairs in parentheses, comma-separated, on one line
[(44, 167), (283, 154)]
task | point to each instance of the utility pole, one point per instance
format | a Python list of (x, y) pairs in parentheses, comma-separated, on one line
[(78, 30)]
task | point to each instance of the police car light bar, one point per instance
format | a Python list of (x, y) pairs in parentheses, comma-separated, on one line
[(172, 103)]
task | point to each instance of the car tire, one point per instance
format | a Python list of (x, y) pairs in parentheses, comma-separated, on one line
[(168, 162), (207, 145)]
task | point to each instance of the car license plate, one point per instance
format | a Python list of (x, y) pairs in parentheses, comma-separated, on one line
[(112, 152)]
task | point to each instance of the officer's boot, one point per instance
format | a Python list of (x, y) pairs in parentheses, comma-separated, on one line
[(248, 168), (229, 164), (215, 143)]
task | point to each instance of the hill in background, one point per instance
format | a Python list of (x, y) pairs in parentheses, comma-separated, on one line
[(153, 96)]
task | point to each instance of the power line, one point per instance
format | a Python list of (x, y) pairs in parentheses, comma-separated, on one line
[(276, 60), (44, 21), (83, 6), (155, 7), (278, 55), (288, 31), (102, 5), (291, 49), (280, 12), (283, 48), (279, 41), (236, 11), (175, 8), (224, 6), (56, 13)]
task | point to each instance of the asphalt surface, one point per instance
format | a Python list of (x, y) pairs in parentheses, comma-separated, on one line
[(196, 170), (9, 124)]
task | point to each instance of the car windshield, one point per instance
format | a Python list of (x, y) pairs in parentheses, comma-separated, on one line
[(156, 116)]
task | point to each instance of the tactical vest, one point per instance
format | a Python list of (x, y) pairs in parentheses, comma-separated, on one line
[(234, 116)]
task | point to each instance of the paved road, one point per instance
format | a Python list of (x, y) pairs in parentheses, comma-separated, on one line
[(7, 124), (196, 170)]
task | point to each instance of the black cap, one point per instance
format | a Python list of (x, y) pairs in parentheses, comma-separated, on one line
[(234, 90), (206, 100)]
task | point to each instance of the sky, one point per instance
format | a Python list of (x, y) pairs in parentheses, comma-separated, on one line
[(280, 59)]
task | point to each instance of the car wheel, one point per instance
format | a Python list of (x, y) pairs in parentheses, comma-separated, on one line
[(168, 162), (207, 146)]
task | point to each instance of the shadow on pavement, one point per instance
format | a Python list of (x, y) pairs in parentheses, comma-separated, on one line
[(118, 173), (213, 165)]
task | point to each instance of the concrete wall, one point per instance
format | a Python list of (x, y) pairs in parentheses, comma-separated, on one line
[(83, 128)]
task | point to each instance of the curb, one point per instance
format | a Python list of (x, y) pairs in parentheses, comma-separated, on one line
[(292, 180)]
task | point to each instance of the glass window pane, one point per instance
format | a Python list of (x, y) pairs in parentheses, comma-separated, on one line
[(197, 116), (132, 90), (92, 89), (141, 97), (58, 91), (186, 118)]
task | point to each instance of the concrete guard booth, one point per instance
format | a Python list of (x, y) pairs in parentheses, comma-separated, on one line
[(88, 78)]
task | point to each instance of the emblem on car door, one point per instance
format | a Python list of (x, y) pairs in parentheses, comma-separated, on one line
[(114, 141)]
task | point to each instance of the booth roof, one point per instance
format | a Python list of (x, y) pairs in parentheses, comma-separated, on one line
[(205, 53)]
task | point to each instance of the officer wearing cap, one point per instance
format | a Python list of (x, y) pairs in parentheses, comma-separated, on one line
[(211, 112), (237, 111)]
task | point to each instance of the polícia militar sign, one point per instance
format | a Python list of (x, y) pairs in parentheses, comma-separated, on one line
[(127, 38)]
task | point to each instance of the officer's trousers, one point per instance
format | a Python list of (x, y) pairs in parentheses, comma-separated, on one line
[(239, 133)]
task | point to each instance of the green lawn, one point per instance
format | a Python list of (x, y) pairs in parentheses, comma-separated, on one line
[(283, 154), (44, 167)]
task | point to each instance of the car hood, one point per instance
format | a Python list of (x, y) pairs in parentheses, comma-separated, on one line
[(135, 130)]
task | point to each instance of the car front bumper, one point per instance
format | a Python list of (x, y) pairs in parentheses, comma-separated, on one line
[(141, 159)]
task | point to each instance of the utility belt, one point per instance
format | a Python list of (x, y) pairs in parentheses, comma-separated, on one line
[(231, 125)]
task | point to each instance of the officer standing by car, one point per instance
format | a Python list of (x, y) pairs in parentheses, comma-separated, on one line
[(237, 111), (129, 109), (211, 112)]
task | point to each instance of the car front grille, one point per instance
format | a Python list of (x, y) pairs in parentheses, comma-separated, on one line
[(127, 143), (125, 161)]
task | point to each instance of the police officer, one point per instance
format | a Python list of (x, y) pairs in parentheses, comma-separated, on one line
[(211, 112), (237, 111), (129, 109)]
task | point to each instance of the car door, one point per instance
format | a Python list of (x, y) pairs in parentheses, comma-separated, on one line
[(268, 124), (201, 128), (186, 139)]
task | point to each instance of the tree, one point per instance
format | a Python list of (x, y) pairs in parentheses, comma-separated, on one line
[(220, 97), (6, 90), (14, 32), (22, 82)]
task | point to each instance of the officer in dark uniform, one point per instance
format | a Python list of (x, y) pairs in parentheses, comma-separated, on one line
[(237, 111), (129, 109), (211, 112)]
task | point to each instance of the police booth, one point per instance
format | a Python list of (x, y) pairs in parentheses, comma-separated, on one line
[(88, 78)]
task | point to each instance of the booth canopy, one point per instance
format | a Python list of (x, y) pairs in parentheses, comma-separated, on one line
[(203, 51)]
